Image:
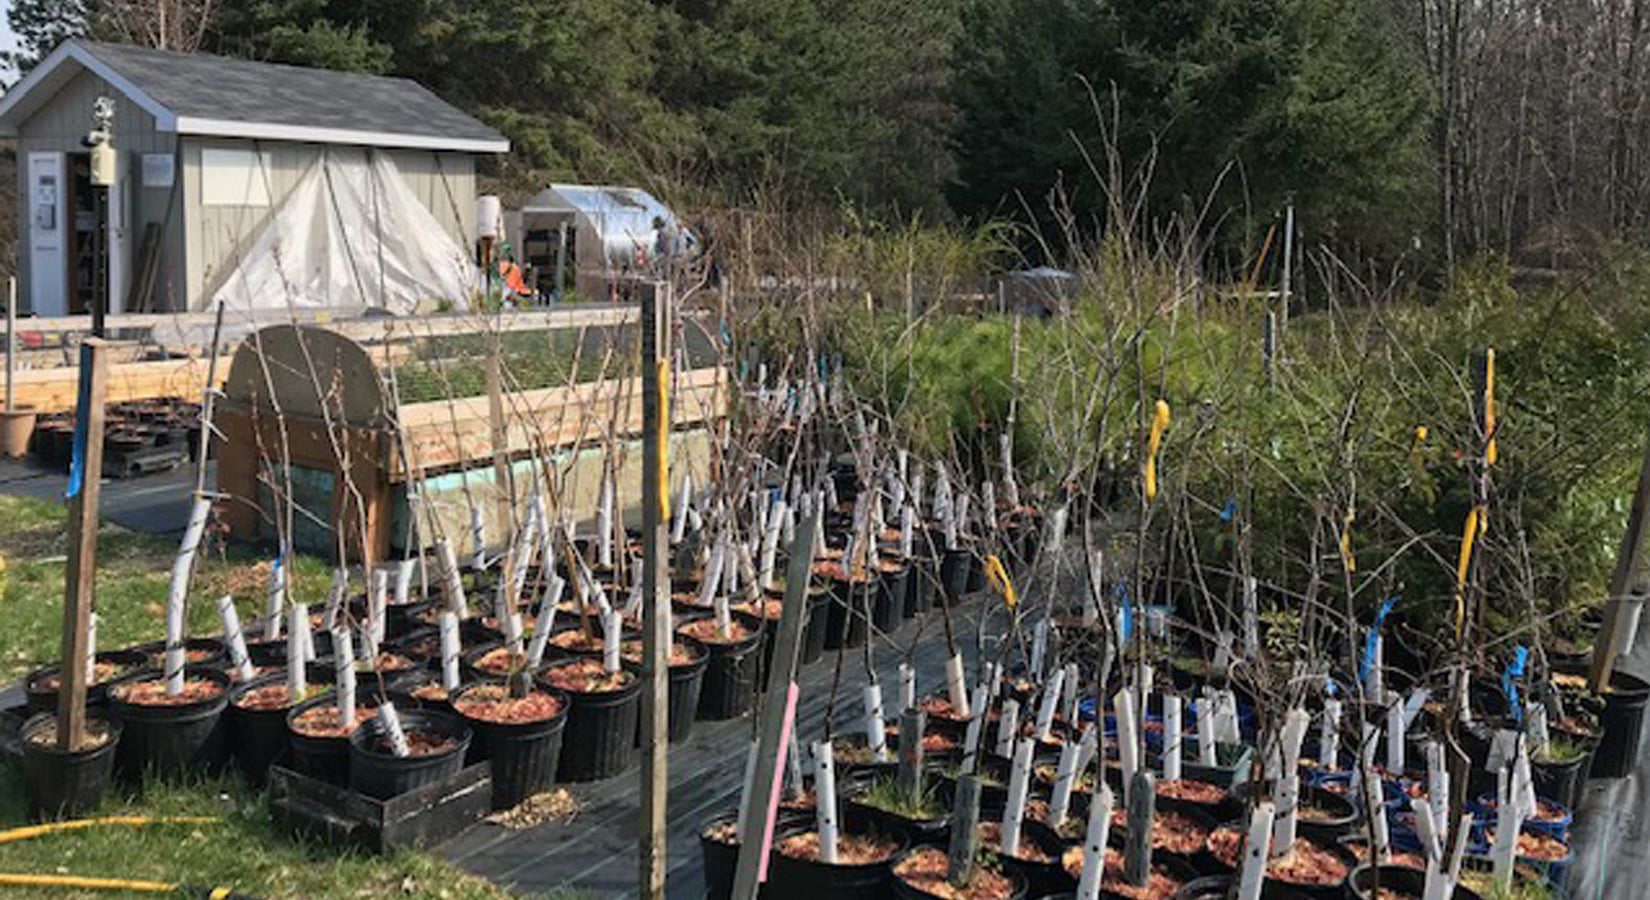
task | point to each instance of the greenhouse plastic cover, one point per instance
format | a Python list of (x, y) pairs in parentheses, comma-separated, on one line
[(351, 234)]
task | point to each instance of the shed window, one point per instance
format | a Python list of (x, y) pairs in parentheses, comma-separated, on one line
[(235, 177)]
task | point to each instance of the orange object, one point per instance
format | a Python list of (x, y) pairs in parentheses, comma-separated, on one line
[(511, 274)]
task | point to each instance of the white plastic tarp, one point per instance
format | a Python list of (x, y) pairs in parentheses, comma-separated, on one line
[(351, 234)]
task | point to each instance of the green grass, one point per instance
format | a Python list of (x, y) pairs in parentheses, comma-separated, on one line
[(133, 571), (243, 850), (1561, 750), (885, 794)]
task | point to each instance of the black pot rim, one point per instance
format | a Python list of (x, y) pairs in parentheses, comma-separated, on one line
[(170, 711), (562, 698), (40, 720), (365, 735)]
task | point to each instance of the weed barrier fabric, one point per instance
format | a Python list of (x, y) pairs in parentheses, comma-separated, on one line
[(1610, 840)]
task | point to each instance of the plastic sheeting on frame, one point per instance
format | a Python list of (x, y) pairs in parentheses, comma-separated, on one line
[(351, 234)]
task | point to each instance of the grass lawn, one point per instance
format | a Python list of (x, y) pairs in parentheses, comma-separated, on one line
[(242, 849)]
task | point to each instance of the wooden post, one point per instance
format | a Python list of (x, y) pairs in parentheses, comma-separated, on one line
[(781, 692), (11, 342), (1605, 647), (1269, 347), (655, 584), (1137, 843), (909, 774), (1288, 268), (85, 475), (965, 818)]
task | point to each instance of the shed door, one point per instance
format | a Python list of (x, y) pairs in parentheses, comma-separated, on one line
[(47, 215)]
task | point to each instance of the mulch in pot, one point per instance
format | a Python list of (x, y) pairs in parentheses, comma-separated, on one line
[(1164, 881), (926, 871)]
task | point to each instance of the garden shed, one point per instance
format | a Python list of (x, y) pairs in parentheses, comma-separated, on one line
[(257, 184)]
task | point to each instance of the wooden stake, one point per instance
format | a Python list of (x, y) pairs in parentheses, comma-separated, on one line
[(965, 818), (780, 697), (1605, 648), (1137, 840), (655, 318), (909, 776), (85, 476)]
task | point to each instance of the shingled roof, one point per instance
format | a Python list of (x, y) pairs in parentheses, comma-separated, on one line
[(196, 93)]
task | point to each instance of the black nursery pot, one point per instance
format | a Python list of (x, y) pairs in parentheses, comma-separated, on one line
[(904, 890), (807, 879), (1621, 724), (889, 609), (257, 737), (1561, 781), (1360, 885), (847, 622), (198, 651), (813, 630), (171, 740), (729, 681), (42, 698), (1039, 878), (686, 683), (921, 582), (599, 740), (328, 757), (1220, 887), (721, 857), (954, 571), (524, 755), (377, 772), (62, 785)]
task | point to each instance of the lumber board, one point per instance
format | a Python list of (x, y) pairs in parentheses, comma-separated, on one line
[(53, 390), (450, 433)]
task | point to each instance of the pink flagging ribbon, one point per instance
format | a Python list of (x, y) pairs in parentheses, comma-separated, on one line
[(778, 780)]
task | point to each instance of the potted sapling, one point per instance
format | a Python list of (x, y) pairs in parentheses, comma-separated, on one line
[(1025, 847), (319, 727), (901, 803), (396, 752), (961, 871), (729, 682), (599, 739), (258, 704), (63, 778), (172, 715), (820, 860), (518, 726)]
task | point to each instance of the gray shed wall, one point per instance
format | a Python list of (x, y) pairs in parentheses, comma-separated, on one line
[(217, 235), (59, 126)]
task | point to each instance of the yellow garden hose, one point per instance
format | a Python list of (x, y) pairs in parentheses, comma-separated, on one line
[(12, 879)]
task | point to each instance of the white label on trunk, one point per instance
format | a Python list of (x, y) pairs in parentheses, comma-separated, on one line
[(956, 690), (447, 621), (876, 728), (1094, 843), (1008, 724), (391, 723), (1171, 737), (234, 640), (825, 807)]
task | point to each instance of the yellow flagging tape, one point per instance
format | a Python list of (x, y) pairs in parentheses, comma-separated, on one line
[(1469, 535), (1489, 407), (1160, 423), (1347, 559), (998, 577)]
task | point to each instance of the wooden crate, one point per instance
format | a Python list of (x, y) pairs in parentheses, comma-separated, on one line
[(308, 807)]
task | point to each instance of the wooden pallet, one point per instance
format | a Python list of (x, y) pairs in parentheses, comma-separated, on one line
[(308, 807)]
